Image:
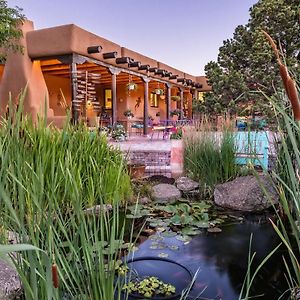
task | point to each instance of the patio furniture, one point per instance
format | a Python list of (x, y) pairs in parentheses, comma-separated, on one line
[(252, 147), (161, 130)]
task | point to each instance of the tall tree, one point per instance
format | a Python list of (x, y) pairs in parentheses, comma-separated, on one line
[(246, 62), (10, 33)]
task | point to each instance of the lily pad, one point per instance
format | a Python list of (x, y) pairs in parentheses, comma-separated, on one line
[(190, 231), (201, 224), (173, 247), (163, 255), (169, 234), (183, 238)]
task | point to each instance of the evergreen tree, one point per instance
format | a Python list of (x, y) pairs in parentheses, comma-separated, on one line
[(246, 62), (10, 33)]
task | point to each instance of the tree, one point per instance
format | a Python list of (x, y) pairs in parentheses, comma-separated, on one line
[(10, 33), (246, 62)]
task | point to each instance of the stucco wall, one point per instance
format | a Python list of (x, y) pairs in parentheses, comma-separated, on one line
[(58, 88), (1, 72)]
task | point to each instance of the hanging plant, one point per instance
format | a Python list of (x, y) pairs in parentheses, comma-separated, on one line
[(128, 113), (131, 86), (159, 91), (175, 98)]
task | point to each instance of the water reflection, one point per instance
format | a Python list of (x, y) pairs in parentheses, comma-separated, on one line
[(223, 258)]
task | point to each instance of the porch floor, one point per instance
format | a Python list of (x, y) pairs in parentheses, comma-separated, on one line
[(142, 143)]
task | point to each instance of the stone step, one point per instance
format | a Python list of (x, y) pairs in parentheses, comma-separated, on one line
[(158, 170)]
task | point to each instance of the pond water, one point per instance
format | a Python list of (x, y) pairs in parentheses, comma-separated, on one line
[(222, 260)]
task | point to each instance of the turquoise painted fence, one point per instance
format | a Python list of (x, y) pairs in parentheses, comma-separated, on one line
[(252, 147)]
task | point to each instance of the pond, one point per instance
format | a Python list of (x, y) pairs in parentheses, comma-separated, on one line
[(222, 260)]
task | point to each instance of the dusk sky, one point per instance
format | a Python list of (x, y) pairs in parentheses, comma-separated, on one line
[(185, 34)]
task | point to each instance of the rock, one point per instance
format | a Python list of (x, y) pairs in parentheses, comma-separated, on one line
[(165, 193), (10, 284), (144, 200), (245, 194), (186, 184)]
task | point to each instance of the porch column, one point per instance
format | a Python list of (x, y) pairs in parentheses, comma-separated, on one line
[(75, 109), (168, 100), (146, 101), (181, 103), (114, 72), (195, 94)]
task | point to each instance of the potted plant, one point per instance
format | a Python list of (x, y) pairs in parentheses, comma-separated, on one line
[(128, 113), (118, 133), (131, 86), (175, 114), (136, 170), (154, 278), (159, 91)]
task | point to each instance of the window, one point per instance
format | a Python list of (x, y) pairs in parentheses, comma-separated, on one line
[(107, 99), (153, 100)]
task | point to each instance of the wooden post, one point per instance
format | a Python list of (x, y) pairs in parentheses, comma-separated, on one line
[(114, 72), (181, 104), (169, 87), (146, 101), (75, 113)]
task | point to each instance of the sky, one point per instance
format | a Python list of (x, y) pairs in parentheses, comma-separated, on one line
[(185, 34)]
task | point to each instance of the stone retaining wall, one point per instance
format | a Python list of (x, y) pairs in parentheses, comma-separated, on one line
[(150, 158)]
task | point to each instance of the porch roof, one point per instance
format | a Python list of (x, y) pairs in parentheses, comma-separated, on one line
[(69, 39)]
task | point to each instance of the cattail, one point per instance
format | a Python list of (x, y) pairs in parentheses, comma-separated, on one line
[(294, 98), (284, 76), (273, 45), (55, 279), (288, 82)]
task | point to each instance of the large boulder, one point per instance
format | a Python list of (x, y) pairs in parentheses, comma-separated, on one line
[(246, 194), (186, 184), (165, 193), (10, 285)]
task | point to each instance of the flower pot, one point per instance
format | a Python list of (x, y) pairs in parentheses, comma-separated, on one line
[(136, 170), (165, 270)]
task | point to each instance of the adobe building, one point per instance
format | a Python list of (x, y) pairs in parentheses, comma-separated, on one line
[(67, 67)]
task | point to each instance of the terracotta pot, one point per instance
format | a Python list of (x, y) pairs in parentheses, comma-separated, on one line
[(136, 171)]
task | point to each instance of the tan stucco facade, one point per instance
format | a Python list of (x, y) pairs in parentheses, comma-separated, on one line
[(44, 70)]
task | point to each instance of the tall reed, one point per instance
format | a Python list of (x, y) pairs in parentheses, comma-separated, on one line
[(48, 178), (209, 156)]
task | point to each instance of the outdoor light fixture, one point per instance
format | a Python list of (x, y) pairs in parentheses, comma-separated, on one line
[(153, 70), (109, 55), (168, 74), (94, 49), (160, 72), (135, 64), (198, 85), (173, 76), (123, 60), (144, 67)]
